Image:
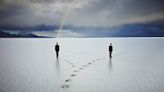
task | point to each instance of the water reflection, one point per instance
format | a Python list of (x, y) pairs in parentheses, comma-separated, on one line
[(57, 60), (110, 64), (57, 66)]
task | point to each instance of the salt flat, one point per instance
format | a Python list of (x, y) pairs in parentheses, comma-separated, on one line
[(30, 65)]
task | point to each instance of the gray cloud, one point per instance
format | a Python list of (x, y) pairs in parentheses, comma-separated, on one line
[(117, 12), (10, 11), (128, 7), (82, 12), (142, 7)]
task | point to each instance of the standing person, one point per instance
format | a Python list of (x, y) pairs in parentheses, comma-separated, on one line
[(110, 50), (57, 49)]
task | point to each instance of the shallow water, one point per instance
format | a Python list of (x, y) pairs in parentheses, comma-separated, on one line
[(30, 65)]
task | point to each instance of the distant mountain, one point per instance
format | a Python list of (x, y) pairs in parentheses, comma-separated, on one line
[(140, 30), (128, 30), (151, 29), (8, 35)]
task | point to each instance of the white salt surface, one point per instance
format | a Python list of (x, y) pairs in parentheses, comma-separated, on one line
[(30, 65)]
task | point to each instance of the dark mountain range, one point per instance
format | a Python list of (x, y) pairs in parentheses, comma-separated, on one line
[(151, 29), (8, 35)]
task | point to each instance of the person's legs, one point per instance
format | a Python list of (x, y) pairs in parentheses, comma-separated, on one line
[(110, 54), (57, 54)]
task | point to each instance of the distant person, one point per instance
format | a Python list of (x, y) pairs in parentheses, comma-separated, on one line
[(110, 50), (57, 49)]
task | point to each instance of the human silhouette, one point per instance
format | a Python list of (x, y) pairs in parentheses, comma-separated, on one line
[(110, 50), (57, 47)]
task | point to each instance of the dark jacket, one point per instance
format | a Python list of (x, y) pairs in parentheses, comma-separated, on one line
[(57, 48), (110, 48)]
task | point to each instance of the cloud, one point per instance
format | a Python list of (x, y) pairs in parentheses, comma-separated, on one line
[(81, 12), (118, 12), (34, 12), (11, 12)]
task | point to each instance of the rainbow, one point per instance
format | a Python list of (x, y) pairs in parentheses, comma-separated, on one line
[(63, 19)]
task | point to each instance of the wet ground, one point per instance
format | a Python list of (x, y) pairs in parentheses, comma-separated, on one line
[(30, 65)]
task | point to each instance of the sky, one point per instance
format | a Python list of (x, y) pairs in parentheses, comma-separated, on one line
[(95, 13)]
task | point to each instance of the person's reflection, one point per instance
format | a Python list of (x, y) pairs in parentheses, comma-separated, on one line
[(110, 64), (57, 60), (57, 67), (57, 63)]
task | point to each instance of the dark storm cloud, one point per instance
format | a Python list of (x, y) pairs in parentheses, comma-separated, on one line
[(8, 8), (126, 7), (11, 9), (84, 12), (16, 7), (116, 12), (142, 7), (42, 1), (49, 1), (16, 12)]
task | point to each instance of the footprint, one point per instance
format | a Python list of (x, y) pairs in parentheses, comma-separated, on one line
[(68, 80), (75, 71), (73, 75), (64, 86), (73, 66), (89, 63), (81, 68), (84, 66)]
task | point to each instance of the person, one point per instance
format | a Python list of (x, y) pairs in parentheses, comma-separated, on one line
[(57, 47), (110, 50)]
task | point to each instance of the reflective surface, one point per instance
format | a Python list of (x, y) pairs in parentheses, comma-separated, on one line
[(30, 65)]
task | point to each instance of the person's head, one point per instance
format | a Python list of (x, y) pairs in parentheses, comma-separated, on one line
[(56, 43), (110, 44)]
